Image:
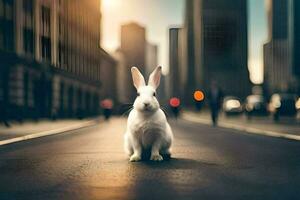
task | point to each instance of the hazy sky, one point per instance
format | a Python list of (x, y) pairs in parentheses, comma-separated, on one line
[(258, 35), (158, 15)]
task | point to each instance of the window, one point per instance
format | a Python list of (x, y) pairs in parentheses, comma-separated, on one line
[(46, 48), (28, 13), (45, 31), (60, 55), (28, 41), (60, 26), (7, 35), (45, 26), (28, 6)]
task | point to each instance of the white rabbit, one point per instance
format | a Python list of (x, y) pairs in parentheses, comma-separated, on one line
[(147, 126)]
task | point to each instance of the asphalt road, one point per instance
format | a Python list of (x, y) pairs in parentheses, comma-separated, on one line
[(207, 163)]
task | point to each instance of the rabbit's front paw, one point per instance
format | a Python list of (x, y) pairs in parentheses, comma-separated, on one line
[(135, 158), (156, 157)]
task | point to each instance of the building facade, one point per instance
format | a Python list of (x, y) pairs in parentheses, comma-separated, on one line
[(52, 58), (215, 37), (281, 52)]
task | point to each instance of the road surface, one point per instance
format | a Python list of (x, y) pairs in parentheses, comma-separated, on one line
[(207, 163)]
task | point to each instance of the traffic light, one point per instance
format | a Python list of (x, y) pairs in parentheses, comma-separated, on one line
[(199, 99)]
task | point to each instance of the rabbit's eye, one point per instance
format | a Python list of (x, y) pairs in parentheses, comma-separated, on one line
[(154, 94), (138, 94)]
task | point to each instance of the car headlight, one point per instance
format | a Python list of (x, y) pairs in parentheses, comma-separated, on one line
[(297, 104), (230, 104)]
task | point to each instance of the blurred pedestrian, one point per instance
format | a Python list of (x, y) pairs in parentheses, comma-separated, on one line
[(175, 106), (215, 97), (3, 108), (107, 106), (3, 114), (3, 98)]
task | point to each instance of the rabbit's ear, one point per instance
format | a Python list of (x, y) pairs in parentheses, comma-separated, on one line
[(154, 78), (137, 77)]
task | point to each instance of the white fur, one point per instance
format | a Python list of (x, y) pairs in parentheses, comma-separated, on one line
[(147, 126)]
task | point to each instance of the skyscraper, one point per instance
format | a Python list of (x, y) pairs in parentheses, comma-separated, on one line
[(281, 52), (216, 38)]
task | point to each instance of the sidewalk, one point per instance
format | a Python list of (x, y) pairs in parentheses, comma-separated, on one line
[(29, 130), (287, 128)]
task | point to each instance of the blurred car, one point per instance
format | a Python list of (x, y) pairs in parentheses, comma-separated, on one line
[(256, 105), (283, 105), (232, 105)]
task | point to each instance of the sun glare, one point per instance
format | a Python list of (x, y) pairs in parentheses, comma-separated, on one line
[(111, 3)]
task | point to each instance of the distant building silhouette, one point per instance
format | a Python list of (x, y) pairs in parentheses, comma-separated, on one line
[(108, 73), (151, 63), (133, 45), (174, 63), (51, 60), (281, 52), (123, 77), (215, 37), (151, 58)]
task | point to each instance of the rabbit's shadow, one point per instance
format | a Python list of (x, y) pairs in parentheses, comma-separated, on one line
[(177, 163), (173, 162)]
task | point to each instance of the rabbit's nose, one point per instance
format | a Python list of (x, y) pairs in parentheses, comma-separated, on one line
[(146, 104)]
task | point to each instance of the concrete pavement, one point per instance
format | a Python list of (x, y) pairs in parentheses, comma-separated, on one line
[(287, 128), (208, 163), (29, 130)]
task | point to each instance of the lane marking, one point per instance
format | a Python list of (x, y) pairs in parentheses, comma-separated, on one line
[(243, 128), (48, 133)]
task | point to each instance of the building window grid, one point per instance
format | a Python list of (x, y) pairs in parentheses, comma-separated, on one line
[(82, 65)]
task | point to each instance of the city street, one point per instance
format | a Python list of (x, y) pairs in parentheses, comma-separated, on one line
[(208, 163)]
